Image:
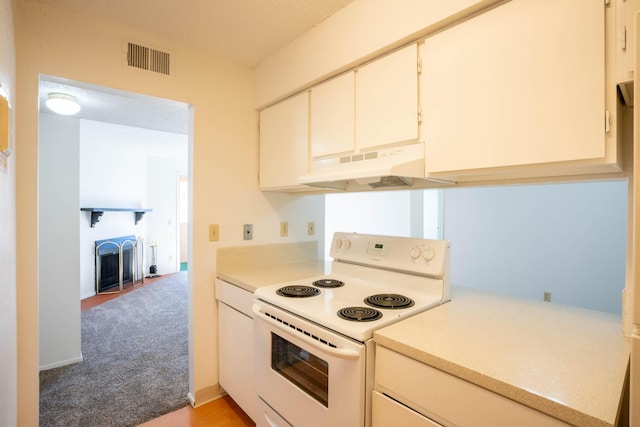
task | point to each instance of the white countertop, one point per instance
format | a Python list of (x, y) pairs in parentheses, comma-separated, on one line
[(253, 266), (250, 279), (567, 362)]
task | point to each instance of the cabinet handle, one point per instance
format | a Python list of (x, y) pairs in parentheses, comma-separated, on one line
[(333, 351)]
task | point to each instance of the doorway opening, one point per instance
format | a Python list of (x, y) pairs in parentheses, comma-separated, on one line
[(145, 143)]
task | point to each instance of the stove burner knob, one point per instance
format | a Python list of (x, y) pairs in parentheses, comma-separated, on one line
[(347, 244), (429, 254), (338, 243)]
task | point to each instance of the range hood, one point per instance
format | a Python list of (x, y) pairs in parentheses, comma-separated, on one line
[(389, 168)]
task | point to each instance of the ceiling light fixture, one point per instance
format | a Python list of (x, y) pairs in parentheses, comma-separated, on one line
[(61, 103)]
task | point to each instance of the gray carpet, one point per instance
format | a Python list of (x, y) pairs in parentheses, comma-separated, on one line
[(135, 361)]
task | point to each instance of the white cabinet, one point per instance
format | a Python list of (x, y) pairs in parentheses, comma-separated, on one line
[(387, 100), (333, 116), (235, 346), (284, 143), (374, 106), (387, 412), (625, 43), (440, 398), (522, 84)]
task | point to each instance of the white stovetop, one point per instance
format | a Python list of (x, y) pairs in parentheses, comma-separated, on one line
[(323, 308)]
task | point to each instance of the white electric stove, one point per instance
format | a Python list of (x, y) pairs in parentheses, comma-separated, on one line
[(314, 337)]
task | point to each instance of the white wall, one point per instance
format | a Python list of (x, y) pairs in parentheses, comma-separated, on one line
[(59, 248), (567, 239), (8, 304), (405, 213), (163, 222), (128, 167)]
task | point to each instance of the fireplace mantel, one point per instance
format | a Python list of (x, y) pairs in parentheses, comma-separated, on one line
[(96, 213)]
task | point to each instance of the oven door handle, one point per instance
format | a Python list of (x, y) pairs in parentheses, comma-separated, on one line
[(337, 352)]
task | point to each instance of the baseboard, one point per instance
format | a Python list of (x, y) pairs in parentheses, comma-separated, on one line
[(206, 395), (61, 363), (88, 295)]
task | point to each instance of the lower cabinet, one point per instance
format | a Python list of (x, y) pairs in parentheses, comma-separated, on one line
[(421, 396), (235, 346), (388, 412)]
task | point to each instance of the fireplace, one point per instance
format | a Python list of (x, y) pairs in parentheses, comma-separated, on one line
[(118, 262)]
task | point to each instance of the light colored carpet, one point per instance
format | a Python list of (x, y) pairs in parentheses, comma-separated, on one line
[(135, 367)]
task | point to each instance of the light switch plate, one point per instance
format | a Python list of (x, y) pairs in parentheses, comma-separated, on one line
[(284, 229), (311, 228), (214, 232)]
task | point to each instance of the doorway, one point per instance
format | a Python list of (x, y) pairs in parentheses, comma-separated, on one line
[(101, 157)]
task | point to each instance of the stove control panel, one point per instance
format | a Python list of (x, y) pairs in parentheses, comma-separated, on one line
[(422, 256)]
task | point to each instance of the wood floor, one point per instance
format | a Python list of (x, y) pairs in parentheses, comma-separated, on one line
[(222, 412)]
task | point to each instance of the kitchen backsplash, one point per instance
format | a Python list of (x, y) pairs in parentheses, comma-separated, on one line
[(239, 257)]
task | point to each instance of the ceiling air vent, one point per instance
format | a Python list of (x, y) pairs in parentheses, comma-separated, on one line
[(147, 58)]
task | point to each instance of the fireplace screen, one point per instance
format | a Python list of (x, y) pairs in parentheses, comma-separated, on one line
[(118, 262)]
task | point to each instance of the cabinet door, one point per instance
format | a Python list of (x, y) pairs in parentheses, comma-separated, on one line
[(235, 342), (388, 412), (333, 116), (520, 84), (284, 143), (387, 100), (441, 396)]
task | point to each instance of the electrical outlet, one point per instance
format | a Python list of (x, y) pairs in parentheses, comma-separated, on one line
[(311, 228), (284, 229), (248, 231), (214, 232), (547, 296)]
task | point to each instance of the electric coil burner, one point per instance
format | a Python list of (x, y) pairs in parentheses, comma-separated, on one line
[(389, 301), (298, 291), (314, 346), (328, 283), (359, 314)]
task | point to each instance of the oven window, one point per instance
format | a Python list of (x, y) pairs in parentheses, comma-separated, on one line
[(302, 368)]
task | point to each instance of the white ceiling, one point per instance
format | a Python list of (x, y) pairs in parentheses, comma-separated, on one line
[(117, 107), (244, 31)]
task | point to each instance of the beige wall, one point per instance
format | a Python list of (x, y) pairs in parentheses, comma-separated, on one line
[(8, 320), (223, 166)]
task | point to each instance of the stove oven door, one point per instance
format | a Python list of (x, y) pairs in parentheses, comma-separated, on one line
[(308, 375)]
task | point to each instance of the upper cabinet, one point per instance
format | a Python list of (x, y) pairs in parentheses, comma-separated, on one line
[(517, 87), (375, 105), (284, 142), (333, 116), (625, 46), (523, 90), (387, 100)]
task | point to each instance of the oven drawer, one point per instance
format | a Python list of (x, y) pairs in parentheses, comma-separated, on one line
[(267, 417), (447, 399), (388, 412)]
